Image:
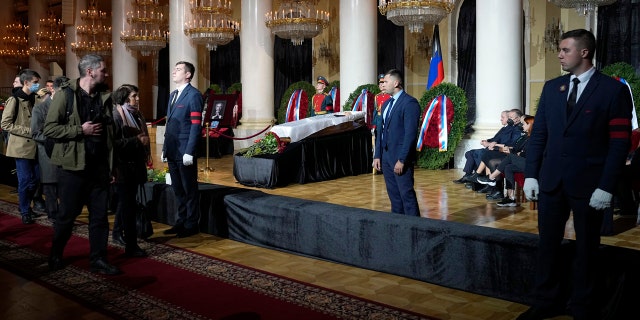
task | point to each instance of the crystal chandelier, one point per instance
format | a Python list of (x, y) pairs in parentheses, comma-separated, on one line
[(50, 45), (95, 36), (211, 24), (147, 33), (415, 14), (583, 7), (15, 49), (297, 20)]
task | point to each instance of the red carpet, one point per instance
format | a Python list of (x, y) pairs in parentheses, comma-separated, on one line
[(172, 283)]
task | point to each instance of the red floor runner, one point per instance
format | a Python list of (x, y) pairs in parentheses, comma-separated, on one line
[(173, 283)]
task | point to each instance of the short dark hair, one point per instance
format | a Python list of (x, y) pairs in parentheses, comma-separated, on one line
[(397, 74), (188, 67), (518, 112), (28, 75), (584, 38), (57, 83), (121, 95)]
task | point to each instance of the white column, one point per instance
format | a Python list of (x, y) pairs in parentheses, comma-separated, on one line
[(498, 62), (71, 61), (498, 68), (180, 47), (256, 64), (37, 11), (358, 45), (125, 63)]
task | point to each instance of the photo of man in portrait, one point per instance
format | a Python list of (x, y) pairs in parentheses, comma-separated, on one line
[(218, 112)]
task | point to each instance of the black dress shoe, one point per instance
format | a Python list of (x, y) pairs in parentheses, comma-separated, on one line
[(486, 189), (187, 232), (468, 185), (136, 252), (103, 267), (471, 177), (535, 313), (55, 263), (27, 219), (118, 238), (174, 230), (462, 179), (38, 205)]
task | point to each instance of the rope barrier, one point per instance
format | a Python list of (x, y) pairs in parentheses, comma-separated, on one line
[(249, 137), (158, 121)]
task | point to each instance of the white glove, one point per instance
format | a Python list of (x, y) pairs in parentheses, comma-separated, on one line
[(600, 199), (531, 189), (163, 158), (187, 159)]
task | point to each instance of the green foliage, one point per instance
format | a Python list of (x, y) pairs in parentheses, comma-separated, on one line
[(373, 88), (157, 175), (431, 158), (306, 86), (626, 71), (266, 145), (235, 88), (215, 88)]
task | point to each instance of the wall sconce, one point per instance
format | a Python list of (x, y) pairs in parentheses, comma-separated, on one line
[(423, 44), (552, 34), (325, 53)]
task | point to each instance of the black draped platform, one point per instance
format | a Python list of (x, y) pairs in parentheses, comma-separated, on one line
[(317, 158), (482, 260)]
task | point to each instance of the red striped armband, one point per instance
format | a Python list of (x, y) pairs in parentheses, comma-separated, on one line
[(619, 128), (196, 117)]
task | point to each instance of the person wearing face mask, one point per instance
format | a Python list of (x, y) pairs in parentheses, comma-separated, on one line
[(16, 120)]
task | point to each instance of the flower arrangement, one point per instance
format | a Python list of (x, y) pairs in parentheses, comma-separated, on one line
[(270, 144), (157, 175)]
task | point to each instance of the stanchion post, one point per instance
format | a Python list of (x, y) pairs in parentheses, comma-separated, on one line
[(207, 168)]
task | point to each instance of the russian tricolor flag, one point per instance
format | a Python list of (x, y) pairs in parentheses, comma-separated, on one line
[(436, 68)]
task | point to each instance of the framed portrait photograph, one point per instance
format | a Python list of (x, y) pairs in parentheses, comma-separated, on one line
[(217, 110)]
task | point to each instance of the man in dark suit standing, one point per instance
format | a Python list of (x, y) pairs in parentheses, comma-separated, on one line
[(181, 137), (576, 153), (395, 154)]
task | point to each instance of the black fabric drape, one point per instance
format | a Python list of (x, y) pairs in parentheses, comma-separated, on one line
[(292, 64), (619, 34), (467, 57), (164, 72), (225, 65), (390, 45)]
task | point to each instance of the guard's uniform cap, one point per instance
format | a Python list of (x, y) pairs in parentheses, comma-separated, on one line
[(323, 80)]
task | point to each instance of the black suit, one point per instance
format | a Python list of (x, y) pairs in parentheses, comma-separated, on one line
[(571, 156), (182, 135), (398, 137)]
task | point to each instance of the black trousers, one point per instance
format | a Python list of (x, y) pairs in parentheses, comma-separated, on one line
[(184, 182), (126, 208), (88, 187)]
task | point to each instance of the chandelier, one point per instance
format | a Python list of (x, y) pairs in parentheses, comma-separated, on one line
[(211, 24), (15, 49), (147, 33), (297, 20), (552, 34), (95, 36), (583, 7), (50, 45), (415, 14)]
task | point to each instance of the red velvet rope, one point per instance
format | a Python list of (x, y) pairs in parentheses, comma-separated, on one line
[(249, 137)]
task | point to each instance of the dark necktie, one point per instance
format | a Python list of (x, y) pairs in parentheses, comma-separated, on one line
[(174, 94), (389, 108), (573, 95)]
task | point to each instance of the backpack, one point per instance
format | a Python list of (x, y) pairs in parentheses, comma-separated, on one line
[(49, 143)]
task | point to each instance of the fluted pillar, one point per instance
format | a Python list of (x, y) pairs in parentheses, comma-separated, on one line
[(256, 64), (125, 63), (71, 65), (498, 68), (37, 11), (180, 48), (358, 45)]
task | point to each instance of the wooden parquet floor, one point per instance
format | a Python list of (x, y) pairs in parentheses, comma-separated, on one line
[(439, 198)]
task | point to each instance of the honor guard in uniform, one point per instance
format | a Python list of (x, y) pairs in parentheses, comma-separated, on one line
[(322, 102)]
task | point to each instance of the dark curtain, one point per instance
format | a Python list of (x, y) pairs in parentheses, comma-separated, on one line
[(390, 45), (619, 34), (164, 85), (467, 57), (292, 64), (225, 65)]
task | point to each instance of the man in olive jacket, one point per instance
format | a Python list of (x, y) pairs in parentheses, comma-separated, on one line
[(83, 153)]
